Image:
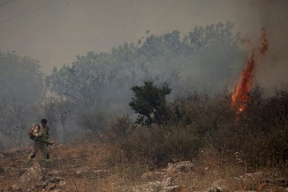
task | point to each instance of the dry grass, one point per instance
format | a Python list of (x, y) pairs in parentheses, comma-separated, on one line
[(209, 168), (95, 155)]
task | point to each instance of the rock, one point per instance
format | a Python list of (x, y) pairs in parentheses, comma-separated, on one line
[(91, 172), (61, 184), (220, 183), (40, 180), (182, 166), (169, 181), (35, 173), (14, 188)]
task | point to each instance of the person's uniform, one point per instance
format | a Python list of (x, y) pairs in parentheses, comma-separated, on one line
[(41, 132)]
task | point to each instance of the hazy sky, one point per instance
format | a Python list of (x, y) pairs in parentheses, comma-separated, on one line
[(55, 31)]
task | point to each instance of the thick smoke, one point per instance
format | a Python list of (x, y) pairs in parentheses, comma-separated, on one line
[(272, 15)]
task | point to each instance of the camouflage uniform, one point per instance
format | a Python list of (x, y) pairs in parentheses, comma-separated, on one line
[(41, 132)]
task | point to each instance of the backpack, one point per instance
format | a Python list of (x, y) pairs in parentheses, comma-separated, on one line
[(31, 131)]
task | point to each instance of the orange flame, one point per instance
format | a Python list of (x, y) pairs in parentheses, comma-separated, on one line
[(240, 96)]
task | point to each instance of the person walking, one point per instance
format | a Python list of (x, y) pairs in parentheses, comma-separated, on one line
[(40, 134)]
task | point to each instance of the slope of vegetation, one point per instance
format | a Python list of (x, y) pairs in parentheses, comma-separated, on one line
[(162, 100), (256, 136)]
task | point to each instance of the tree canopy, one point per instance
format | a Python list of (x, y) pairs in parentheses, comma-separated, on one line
[(150, 101), (206, 57)]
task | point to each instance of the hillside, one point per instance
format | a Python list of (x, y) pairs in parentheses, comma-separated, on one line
[(86, 167)]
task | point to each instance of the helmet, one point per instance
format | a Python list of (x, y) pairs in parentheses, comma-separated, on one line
[(43, 121)]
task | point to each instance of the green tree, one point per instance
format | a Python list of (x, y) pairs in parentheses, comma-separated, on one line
[(150, 101)]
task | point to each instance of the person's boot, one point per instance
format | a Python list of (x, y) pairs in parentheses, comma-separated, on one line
[(47, 160), (47, 163)]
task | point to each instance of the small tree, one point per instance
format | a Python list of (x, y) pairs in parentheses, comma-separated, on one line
[(150, 103)]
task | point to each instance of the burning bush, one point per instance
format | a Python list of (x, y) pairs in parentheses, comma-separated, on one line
[(257, 136)]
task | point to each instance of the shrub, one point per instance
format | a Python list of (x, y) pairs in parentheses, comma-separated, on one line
[(158, 146), (119, 129), (149, 102), (258, 135)]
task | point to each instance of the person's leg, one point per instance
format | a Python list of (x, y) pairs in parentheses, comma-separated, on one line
[(36, 147), (44, 149), (34, 152)]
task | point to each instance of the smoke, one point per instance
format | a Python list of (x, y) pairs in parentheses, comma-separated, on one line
[(272, 15), (54, 35), (240, 95)]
